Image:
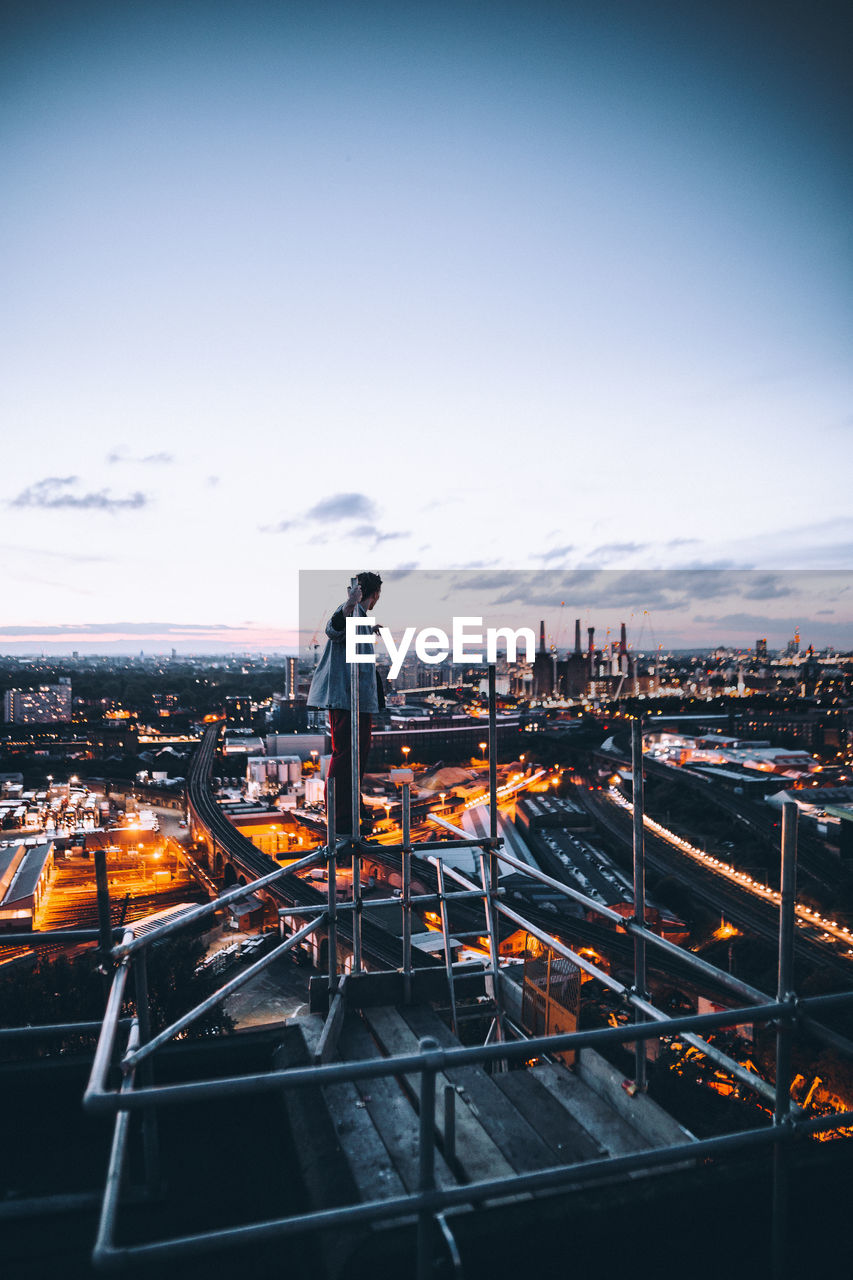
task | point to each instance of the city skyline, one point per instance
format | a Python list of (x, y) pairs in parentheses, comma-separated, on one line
[(690, 610), (496, 287)]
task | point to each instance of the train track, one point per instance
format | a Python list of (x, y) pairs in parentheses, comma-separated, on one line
[(380, 948), (741, 907)]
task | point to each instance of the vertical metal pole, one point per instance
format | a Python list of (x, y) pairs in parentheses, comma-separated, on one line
[(355, 753), (448, 959), (639, 891), (150, 1134), (105, 940), (784, 1035), (449, 1123), (426, 1157), (332, 874), (406, 802), (492, 930), (493, 778)]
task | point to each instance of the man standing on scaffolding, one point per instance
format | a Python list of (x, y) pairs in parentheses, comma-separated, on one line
[(330, 688)]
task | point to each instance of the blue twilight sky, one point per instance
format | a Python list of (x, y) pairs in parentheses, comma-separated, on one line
[(495, 285)]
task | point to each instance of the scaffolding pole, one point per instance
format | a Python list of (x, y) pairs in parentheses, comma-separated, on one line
[(406, 855), (639, 892), (784, 1035), (332, 877), (355, 757)]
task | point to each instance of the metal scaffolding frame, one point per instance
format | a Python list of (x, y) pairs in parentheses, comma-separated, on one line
[(138, 1093)]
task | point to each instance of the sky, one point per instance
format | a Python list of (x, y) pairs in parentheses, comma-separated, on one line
[(489, 286), (667, 608)]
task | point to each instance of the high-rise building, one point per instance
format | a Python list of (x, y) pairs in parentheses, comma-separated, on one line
[(49, 704), (291, 676), (761, 648)]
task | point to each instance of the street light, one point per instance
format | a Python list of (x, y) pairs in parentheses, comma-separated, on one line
[(441, 796), (483, 746), (313, 755), (406, 751)]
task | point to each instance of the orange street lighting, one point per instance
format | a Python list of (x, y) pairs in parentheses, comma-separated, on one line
[(483, 746), (441, 796), (406, 751)]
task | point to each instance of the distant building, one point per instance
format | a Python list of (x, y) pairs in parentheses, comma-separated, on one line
[(298, 744), (291, 678), (543, 668), (49, 704), (239, 740), (24, 875), (761, 648), (266, 774), (238, 711)]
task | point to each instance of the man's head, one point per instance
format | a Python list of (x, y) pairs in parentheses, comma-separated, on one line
[(371, 585)]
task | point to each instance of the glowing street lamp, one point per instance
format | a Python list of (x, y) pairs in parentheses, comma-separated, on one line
[(441, 796), (406, 751), (314, 758), (483, 746)]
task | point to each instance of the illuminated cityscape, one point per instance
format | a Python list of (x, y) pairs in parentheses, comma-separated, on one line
[(507, 342), (172, 784)]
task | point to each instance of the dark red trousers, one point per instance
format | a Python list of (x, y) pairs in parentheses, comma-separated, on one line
[(340, 766)]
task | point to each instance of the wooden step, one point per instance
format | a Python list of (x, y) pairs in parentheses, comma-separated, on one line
[(359, 1147), (389, 1108), (519, 1142), (478, 1155), (566, 1138), (605, 1127)]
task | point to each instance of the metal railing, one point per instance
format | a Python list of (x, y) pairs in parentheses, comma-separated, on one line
[(138, 1093)]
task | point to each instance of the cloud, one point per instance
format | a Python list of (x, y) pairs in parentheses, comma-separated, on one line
[(337, 508), (343, 506), (55, 493), (126, 637), (765, 587), (556, 553), (120, 628), (619, 548), (473, 564), (156, 459)]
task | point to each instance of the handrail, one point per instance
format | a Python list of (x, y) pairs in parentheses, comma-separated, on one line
[(138, 1093)]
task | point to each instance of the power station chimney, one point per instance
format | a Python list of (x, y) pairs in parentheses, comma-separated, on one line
[(577, 635), (623, 639), (542, 636)]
